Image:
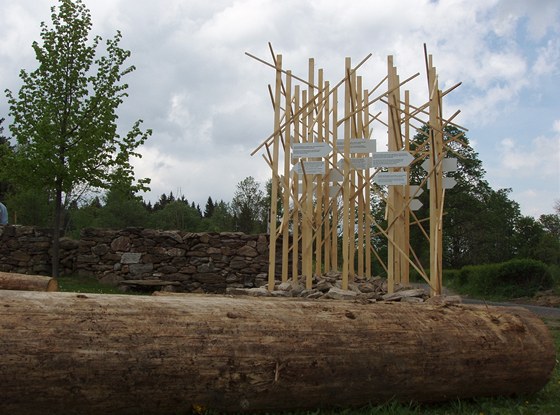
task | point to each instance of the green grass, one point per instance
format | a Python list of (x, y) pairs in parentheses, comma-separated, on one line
[(85, 285)]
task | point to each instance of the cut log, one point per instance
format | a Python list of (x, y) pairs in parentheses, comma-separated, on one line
[(14, 281), (68, 353)]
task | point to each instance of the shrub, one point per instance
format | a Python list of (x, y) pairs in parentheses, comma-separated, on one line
[(515, 278), (523, 277)]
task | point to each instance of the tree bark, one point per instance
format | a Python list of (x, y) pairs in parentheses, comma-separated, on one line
[(56, 230), (14, 281), (68, 353)]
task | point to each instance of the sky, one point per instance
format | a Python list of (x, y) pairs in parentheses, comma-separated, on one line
[(208, 104)]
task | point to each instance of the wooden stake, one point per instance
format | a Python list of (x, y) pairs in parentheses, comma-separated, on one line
[(334, 203), (436, 182), (319, 191), (274, 190), (346, 181), (286, 193)]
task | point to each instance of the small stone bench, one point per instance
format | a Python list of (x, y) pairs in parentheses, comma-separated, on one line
[(148, 284)]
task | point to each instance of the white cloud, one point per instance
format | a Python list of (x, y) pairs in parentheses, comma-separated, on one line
[(548, 58), (540, 157), (541, 15), (534, 201), (208, 103)]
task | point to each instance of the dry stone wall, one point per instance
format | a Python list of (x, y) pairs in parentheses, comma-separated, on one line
[(192, 262)]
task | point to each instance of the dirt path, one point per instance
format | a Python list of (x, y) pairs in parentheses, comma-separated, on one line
[(544, 312)]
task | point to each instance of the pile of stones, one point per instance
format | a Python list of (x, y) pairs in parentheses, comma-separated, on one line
[(329, 287)]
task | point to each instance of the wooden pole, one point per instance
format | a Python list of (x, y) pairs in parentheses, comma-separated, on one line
[(436, 183), (327, 187), (306, 226), (393, 260), (286, 194), (320, 180), (405, 265), (68, 353), (367, 180), (346, 181), (334, 202), (274, 190), (352, 196), (295, 184), (361, 183)]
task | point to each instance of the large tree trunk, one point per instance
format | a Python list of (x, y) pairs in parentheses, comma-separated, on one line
[(67, 353), (14, 281)]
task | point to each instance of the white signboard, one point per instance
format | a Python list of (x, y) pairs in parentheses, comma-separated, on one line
[(356, 163), (415, 204), (335, 176), (448, 183), (415, 190), (448, 164), (310, 167), (334, 190), (358, 145), (391, 159), (390, 178), (300, 150)]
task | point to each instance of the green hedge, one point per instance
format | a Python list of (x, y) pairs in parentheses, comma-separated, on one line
[(515, 278)]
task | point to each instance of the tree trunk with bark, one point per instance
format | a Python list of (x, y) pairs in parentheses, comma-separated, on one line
[(68, 353), (14, 281)]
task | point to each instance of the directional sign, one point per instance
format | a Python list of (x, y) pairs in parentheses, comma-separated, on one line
[(415, 190), (390, 178), (448, 183), (335, 176), (334, 190), (319, 149), (415, 204), (311, 167), (448, 164), (391, 159), (358, 145), (356, 163)]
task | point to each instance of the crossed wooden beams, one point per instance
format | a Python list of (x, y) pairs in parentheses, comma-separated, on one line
[(325, 171)]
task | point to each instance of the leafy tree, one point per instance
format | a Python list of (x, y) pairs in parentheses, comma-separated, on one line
[(540, 239), (64, 116), (177, 215), (551, 224), (249, 207), (221, 219), (85, 216), (5, 150), (122, 209), (267, 200), (31, 206), (479, 223)]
